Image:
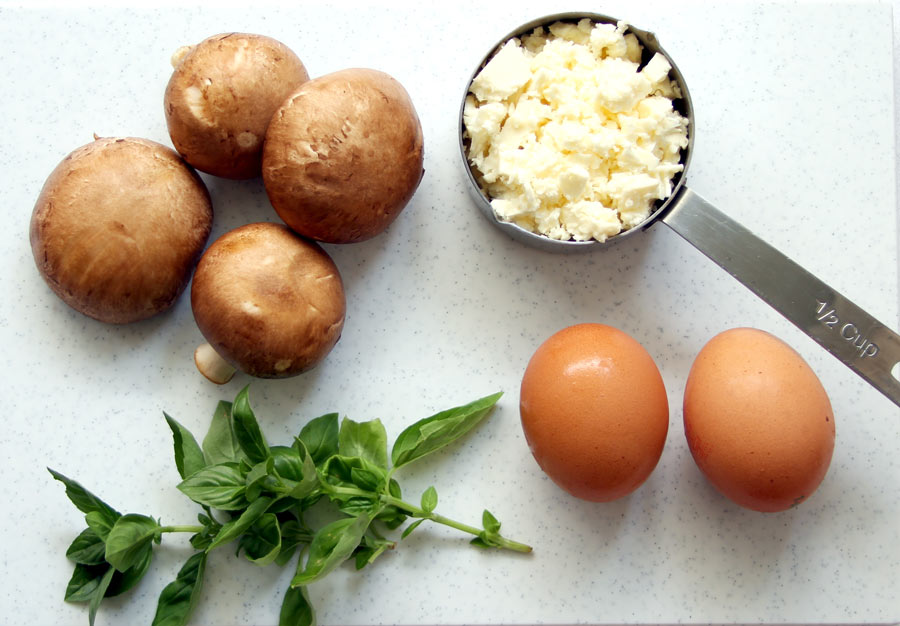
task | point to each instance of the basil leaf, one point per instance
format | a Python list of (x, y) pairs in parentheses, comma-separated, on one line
[(221, 486), (296, 609), (237, 526), (295, 465), (246, 428), (100, 523), (411, 528), (429, 500), (358, 505), (87, 548), (435, 432), (288, 462), (84, 500), (220, 445), (256, 476), (481, 542), (99, 593), (293, 533), (332, 545), (188, 455), (320, 436), (366, 479), (285, 555), (285, 504), (367, 440), (361, 557), (490, 536), (211, 527), (130, 535), (391, 516), (262, 541), (123, 581), (178, 598), (370, 548), (356, 472), (308, 502), (490, 523), (84, 582)]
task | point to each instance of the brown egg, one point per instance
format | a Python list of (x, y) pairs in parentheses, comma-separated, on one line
[(594, 411), (757, 420)]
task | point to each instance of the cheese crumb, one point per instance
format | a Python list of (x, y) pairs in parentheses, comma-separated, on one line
[(506, 73), (571, 138)]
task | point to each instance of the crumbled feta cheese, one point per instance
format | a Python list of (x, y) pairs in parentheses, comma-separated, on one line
[(572, 138), (505, 73), (657, 69)]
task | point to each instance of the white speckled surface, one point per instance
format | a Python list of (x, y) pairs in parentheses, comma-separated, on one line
[(795, 139)]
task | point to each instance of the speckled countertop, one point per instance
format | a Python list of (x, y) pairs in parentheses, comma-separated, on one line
[(795, 128)]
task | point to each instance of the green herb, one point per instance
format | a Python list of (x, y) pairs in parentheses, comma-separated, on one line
[(129, 539), (261, 493), (189, 458), (178, 598)]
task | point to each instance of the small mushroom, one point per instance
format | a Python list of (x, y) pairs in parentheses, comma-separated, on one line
[(221, 96), (343, 155), (268, 302), (118, 226)]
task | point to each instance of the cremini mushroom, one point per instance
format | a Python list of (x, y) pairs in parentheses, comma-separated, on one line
[(343, 155), (118, 227), (269, 303), (221, 96)]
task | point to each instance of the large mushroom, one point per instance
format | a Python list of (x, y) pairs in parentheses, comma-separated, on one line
[(118, 226), (268, 302), (343, 155), (221, 96)]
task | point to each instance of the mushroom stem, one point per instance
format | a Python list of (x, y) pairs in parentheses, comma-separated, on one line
[(212, 365), (179, 54)]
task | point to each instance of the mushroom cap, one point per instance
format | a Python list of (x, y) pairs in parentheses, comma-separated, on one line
[(270, 302), (343, 155), (221, 96), (118, 226)]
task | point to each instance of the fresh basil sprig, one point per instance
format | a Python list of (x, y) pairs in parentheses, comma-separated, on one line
[(254, 495)]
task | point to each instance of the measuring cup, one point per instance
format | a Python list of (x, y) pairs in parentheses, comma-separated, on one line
[(858, 340)]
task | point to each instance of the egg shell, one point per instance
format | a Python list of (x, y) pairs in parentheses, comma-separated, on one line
[(758, 421), (594, 411)]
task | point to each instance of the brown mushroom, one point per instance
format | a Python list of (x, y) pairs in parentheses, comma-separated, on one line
[(221, 96), (118, 227), (343, 155), (268, 301)]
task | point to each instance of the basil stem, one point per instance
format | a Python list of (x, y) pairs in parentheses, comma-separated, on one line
[(498, 541), (490, 537)]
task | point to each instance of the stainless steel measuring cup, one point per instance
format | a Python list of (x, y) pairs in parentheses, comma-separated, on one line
[(861, 342)]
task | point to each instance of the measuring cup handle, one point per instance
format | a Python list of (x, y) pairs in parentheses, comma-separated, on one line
[(861, 342)]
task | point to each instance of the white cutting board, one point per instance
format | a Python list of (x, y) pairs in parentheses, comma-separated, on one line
[(795, 133)]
